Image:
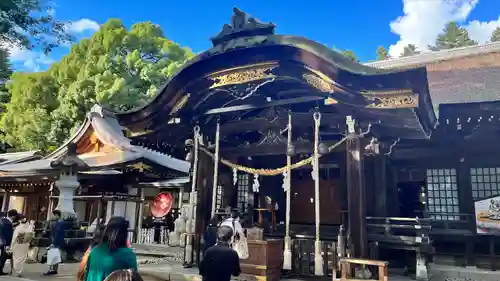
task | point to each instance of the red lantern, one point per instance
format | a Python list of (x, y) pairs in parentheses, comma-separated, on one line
[(162, 204)]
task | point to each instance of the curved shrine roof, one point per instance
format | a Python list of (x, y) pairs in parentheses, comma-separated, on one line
[(250, 68)]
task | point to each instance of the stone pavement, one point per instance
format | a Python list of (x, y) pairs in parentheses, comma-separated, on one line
[(175, 272)]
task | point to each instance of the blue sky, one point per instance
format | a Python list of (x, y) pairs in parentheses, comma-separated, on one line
[(359, 25)]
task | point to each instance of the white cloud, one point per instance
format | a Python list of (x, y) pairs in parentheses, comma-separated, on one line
[(30, 60), (423, 20), (481, 31), (83, 25)]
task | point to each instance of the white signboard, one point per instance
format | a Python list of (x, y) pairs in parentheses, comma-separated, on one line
[(487, 213)]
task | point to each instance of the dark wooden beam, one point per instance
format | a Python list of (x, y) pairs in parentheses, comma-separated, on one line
[(356, 195), (299, 120), (273, 149), (263, 105)]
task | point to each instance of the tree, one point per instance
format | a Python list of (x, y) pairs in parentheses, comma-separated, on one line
[(27, 118), (382, 53), (350, 55), (495, 36), (410, 50), (5, 72), (26, 23), (116, 67), (452, 37)]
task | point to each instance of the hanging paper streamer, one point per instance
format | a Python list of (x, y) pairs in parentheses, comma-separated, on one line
[(285, 184), (235, 176), (256, 185)]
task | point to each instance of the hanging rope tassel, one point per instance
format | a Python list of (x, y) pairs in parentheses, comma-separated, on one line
[(216, 169), (318, 258), (287, 254), (192, 199)]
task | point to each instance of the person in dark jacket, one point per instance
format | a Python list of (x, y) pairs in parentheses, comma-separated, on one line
[(57, 237), (210, 234), (6, 232), (220, 261)]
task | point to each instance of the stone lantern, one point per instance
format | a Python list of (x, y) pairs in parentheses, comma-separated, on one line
[(68, 165)]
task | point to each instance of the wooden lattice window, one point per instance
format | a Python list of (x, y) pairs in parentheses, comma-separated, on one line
[(442, 194), (242, 188), (485, 182)]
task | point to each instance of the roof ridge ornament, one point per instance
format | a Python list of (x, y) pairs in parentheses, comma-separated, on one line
[(242, 25)]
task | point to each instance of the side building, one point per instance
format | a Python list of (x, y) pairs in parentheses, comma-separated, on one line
[(458, 169)]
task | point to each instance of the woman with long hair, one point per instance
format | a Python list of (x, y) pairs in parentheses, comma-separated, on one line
[(23, 234), (112, 253)]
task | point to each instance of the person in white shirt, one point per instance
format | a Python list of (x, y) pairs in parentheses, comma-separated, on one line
[(238, 242)]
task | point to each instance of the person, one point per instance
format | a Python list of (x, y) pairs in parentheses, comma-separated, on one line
[(6, 233), (220, 261), (210, 234), (112, 252), (238, 241), (23, 234), (124, 275), (57, 238), (96, 239)]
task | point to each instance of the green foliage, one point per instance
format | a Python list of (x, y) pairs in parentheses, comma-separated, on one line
[(452, 37), (495, 36), (118, 68), (5, 72), (26, 23), (350, 55), (27, 117), (410, 50), (382, 53)]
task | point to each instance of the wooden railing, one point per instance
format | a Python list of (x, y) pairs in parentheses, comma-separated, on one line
[(410, 234), (400, 233), (452, 223)]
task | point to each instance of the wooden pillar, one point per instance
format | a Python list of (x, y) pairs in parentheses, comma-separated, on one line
[(392, 209), (138, 212), (5, 201), (99, 212), (204, 188), (380, 185), (356, 192)]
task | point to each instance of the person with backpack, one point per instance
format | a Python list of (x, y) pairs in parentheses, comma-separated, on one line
[(238, 240)]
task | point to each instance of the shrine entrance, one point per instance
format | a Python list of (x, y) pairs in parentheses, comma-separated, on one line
[(273, 111)]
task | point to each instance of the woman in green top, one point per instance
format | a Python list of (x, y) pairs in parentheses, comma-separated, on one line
[(112, 253)]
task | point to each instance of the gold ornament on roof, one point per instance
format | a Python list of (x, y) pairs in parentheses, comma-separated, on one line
[(395, 101), (180, 104), (243, 75), (318, 83)]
